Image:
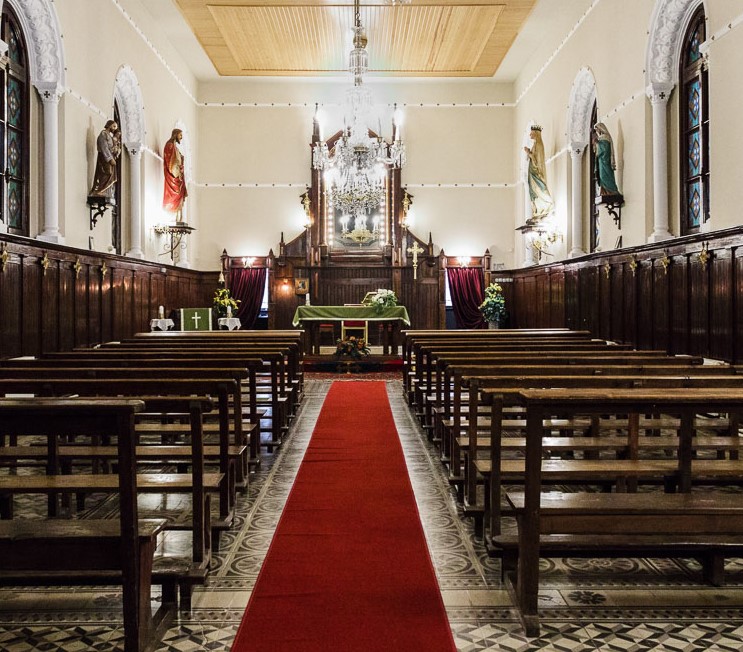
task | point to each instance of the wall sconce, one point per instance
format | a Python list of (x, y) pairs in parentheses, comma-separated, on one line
[(463, 261), (540, 234), (220, 280), (176, 232), (248, 261)]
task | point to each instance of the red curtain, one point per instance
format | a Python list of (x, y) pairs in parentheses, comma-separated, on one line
[(466, 289), (248, 285)]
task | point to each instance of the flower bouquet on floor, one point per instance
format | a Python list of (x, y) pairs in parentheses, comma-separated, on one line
[(352, 347), (350, 351), (493, 309)]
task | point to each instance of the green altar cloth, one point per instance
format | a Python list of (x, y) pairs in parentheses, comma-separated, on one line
[(356, 313)]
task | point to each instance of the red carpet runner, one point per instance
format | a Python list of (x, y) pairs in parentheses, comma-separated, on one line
[(348, 568)]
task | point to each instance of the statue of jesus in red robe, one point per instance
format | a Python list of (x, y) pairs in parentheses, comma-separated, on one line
[(175, 192)]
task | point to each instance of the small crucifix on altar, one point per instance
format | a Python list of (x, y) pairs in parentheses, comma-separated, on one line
[(196, 318), (415, 250)]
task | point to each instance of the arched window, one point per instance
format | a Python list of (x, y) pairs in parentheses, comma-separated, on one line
[(593, 189), (117, 208), (694, 127), (14, 126)]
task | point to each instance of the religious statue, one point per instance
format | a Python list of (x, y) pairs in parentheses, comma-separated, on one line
[(541, 199), (175, 192), (603, 148), (109, 149)]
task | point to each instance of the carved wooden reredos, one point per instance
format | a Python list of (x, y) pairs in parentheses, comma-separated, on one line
[(339, 273)]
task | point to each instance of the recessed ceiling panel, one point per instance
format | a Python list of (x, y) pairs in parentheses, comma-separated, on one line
[(437, 38)]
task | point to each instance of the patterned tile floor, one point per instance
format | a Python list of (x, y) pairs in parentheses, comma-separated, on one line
[(612, 605)]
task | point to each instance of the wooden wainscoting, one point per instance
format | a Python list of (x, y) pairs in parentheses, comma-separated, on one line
[(683, 295), (55, 298)]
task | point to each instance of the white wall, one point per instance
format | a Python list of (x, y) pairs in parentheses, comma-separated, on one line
[(269, 145), (463, 161)]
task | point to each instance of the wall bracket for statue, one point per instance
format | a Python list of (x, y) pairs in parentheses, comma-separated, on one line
[(613, 204)]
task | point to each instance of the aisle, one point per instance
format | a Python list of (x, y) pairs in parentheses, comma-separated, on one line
[(348, 567)]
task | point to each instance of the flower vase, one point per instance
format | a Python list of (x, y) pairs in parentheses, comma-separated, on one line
[(493, 325)]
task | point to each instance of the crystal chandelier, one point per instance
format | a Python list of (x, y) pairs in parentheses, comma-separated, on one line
[(355, 169)]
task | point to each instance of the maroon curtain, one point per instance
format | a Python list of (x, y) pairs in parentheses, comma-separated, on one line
[(248, 285), (466, 290)]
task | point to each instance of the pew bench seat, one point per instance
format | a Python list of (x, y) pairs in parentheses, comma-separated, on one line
[(75, 552), (709, 550), (715, 519)]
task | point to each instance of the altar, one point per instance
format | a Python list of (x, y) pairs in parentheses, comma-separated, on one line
[(310, 317)]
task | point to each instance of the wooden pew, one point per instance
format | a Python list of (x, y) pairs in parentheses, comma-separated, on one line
[(105, 551), (90, 366), (160, 396), (507, 391), (448, 397), (411, 336), (708, 515), (281, 395), (187, 359)]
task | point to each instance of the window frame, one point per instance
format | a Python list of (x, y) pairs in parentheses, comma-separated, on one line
[(594, 231), (22, 73), (691, 72)]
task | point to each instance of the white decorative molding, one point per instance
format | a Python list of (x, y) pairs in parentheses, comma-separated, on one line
[(85, 102), (563, 43), (303, 184), (622, 105), (582, 99), (46, 55), (153, 153), (155, 51), (557, 155), (304, 105), (729, 27), (667, 25), (128, 96)]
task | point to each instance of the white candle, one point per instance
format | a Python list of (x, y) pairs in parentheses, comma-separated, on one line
[(161, 312), (229, 311)]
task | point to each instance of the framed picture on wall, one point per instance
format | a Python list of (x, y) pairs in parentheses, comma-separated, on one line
[(301, 286)]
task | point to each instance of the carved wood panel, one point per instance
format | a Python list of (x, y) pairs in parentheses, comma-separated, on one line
[(672, 301), (721, 305), (661, 304), (645, 327), (62, 309)]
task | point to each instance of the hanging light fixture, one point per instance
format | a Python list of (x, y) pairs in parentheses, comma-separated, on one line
[(355, 169)]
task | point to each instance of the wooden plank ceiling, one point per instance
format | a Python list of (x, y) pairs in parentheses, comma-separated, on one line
[(427, 38)]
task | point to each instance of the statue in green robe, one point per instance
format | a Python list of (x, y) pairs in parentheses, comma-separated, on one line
[(603, 148)]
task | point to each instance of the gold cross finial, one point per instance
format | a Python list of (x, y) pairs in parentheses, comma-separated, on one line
[(415, 250)]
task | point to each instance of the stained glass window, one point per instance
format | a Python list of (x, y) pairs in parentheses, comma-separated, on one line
[(14, 99), (594, 192), (694, 127)]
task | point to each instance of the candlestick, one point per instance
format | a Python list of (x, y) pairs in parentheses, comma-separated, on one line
[(161, 312)]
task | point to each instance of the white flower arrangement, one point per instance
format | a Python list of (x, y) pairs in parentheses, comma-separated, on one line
[(382, 299)]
